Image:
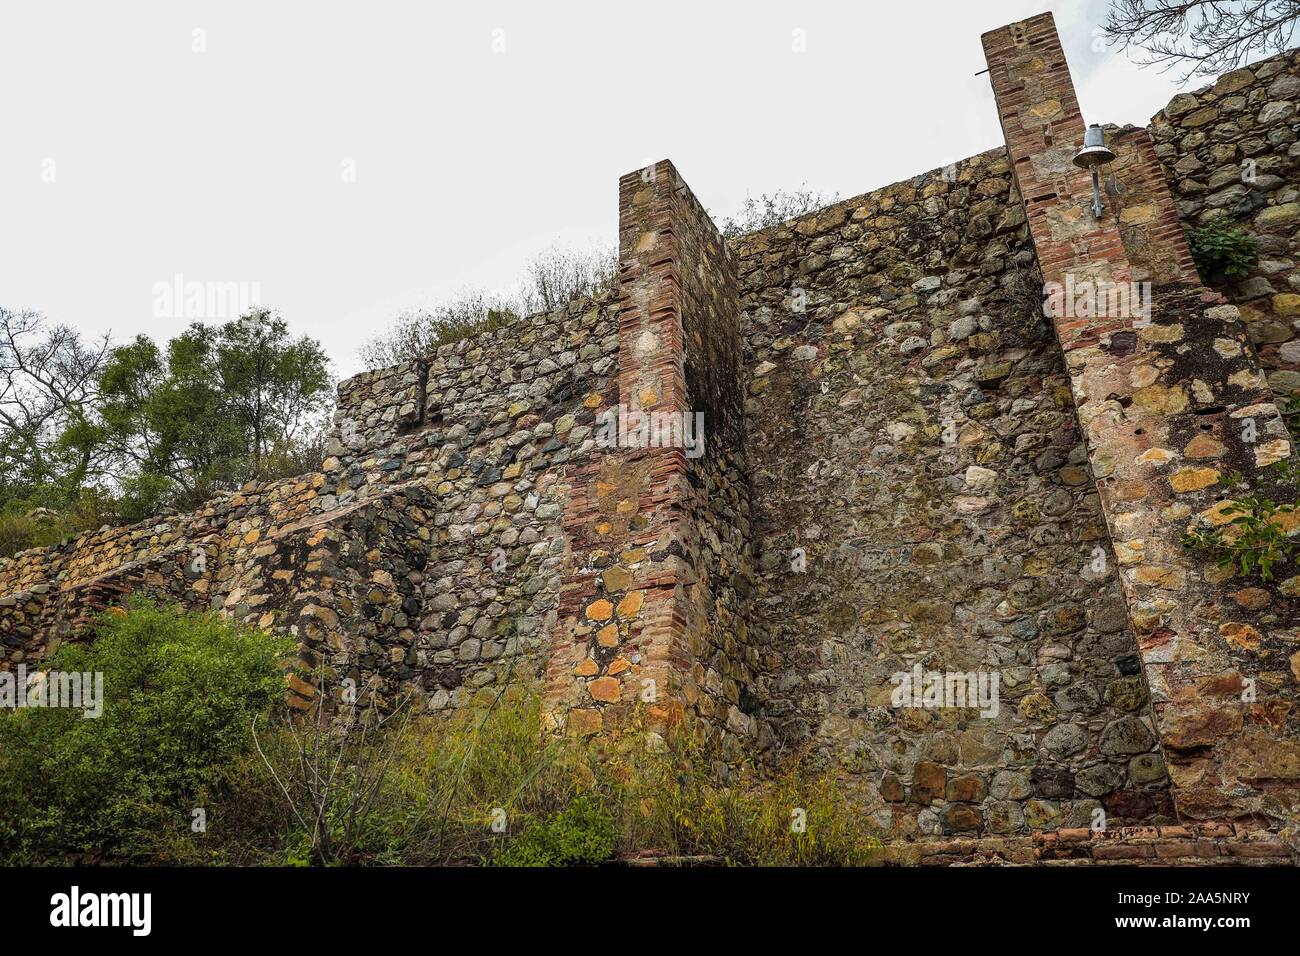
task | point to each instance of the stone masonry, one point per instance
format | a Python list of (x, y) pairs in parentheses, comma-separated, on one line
[(904, 467), (1163, 401)]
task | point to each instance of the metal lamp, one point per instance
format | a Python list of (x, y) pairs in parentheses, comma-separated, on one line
[(1092, 156)]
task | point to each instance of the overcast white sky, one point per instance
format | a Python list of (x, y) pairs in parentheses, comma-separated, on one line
[(226, 165)]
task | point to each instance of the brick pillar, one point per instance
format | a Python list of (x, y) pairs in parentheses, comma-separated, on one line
[(1149, 224), (1043, 128), (621, 633), (1169, 403)]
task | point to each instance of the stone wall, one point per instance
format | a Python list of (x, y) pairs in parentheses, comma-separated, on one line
[(903, 466), (493, 407), (1231, 150), (913, 436), (1169, 401), (724, 664), (653, 608), (423, 561)]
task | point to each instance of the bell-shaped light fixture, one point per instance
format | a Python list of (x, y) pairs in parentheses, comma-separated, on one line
[(1092, 156)]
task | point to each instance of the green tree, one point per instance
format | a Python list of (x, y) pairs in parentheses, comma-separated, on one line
[(276, 387), (223, 405), (162, 416)]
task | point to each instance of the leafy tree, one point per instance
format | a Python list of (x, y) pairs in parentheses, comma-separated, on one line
[(275, 386), (1208, 37), (163, 417), (223, 404)]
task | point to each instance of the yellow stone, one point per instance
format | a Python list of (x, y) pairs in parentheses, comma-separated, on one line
[(1288, 522), (1143, 375), (1159, 398), (1272, 452), (1162, 333), (618, 665), (1156, 576), (1155, 456), (583, 722), (600, 610), (1193, 479), (1239, 635), (587, 668), (1047, 109), (1138, 214), (1286, 303), (1219, 575), (1037, 707), (607, 636), (1205, 446), (616, 578), (1217, 514), (1130, 552), (630, 606), (605, 689)]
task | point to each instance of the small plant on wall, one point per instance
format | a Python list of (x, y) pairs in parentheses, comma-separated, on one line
[(1222, 250), (1254, 539)]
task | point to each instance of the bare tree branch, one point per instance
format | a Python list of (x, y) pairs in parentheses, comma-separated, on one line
[(1205, 37)]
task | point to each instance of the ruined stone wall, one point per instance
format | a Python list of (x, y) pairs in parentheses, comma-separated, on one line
[(491, 407), (49, 594), (1150, 227), (904, 465), (723, 660), (913, 435), (423, 561), (1231, 150), (1164, 399)]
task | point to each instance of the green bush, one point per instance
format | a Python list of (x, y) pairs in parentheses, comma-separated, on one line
[(582, 834), (780, 815), (1222, 250), (180, 693)]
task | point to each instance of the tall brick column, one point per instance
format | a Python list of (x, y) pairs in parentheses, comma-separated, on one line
[(630, 600), (1168, 406)]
